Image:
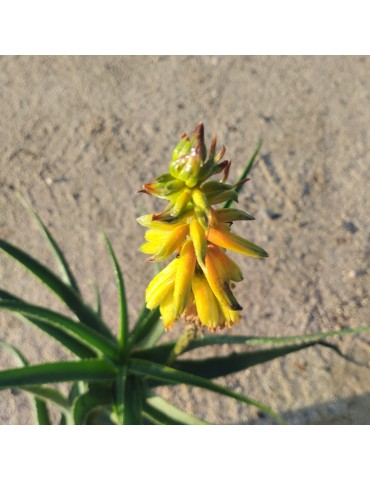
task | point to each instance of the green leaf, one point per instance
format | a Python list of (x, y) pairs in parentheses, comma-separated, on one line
[(98, 306), (219, 366), (83, 333), (77, 389), (17, 353), (123, 320), (85, 404), (141, 320), (148, 330), (119, 404), (63, 419), (133, 401), (245, 173), (154, 335), (86, 370), (142, 314), (64, 268), (39, 394), (61, 336), (56, 285), (49, 394), (249, 340), (100, 416), (42, 412), (173, 376), (160, 353), (161, 412), (64, 338)]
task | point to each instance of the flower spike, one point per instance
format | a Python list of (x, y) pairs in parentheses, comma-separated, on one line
[(198, 284)]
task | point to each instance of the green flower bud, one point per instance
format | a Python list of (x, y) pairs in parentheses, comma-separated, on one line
[(163, 186), (183, 147), (188, 158), (186, 168)]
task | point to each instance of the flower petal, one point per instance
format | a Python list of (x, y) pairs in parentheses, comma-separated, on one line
[(150, 247), (172, 243), (232, 215), (147, 221), (161, 285), (181, 202), (201, 207), (156, 235), (198, 236), (199, 199), (184, 275), (205, 301), (217, 278), (230, 241), (224, 263), (166, 309), (190, 312), (230, 316), (223, 196)]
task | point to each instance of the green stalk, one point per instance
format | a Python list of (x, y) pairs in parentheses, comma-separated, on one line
[(184, 340)]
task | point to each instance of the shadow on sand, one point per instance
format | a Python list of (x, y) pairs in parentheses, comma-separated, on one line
[(353, 410)]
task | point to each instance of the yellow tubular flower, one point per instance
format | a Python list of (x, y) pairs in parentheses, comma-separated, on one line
[(147, 221), (166, 309), (155, 240), (184, 275), (157, 295), (197, 284), (218, 279), (151, 247), (164, 243), (224, 263), (226, 239), (230, 317), (161, 285), (190, 313), (205, 301), (157, 235)]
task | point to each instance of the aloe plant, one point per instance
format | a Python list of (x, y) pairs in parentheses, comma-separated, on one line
[(114, 378)]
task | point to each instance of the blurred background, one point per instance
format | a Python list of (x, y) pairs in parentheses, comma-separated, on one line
[(80, 135)]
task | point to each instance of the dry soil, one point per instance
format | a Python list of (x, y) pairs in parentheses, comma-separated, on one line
[(80, 135)]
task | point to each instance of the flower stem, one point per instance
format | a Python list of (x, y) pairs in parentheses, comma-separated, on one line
[(187, 336)]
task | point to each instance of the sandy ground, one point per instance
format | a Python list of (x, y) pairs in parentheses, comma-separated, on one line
[(79, 136)]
